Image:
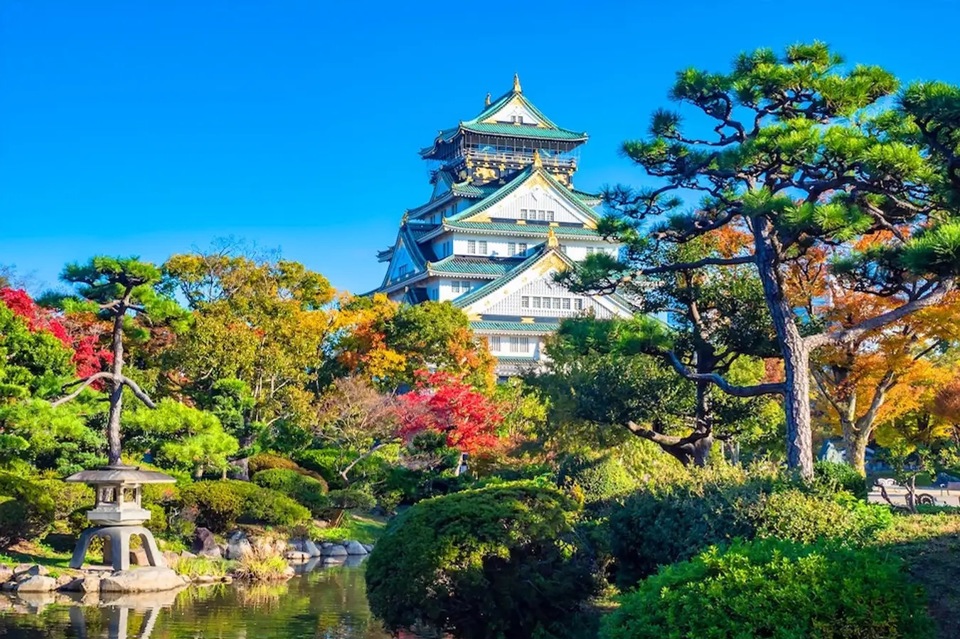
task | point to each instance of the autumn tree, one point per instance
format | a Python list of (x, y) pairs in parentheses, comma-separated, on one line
[(119, 289), (257, 319), (356, 418), (444, 403), (800, 153)]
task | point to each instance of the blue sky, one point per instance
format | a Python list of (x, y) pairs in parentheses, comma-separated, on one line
[(149, 128)]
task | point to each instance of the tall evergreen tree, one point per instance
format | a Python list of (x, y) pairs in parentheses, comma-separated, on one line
[(800, 153)]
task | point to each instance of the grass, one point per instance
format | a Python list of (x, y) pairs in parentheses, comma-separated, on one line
[(32, 553), (363, 528), (261, 566), (929, 544), (200, 566)]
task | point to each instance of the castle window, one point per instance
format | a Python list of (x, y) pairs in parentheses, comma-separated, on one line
[(556, 303), (472, 247), (524, 302), (495, 343), (403, 270), (550, 216), (516, 119), (455, 286), (578, 304), (591, 250), (536, 302), (482, 245), (519, 344), (523, 214), (511, 248), (522, 248), (566, 303)]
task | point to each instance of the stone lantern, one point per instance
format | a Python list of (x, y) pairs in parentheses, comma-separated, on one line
[(118, 514)]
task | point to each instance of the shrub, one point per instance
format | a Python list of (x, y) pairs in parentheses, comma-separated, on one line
[(672, 523), (494, 562), (200, 566), (157, 524), (833, 477), (340, 501), (269, 461), (773, 589), (308, 491), (26, 509), (222, 504), (799, 516), (597, 479), (67, 497), (327, 462)]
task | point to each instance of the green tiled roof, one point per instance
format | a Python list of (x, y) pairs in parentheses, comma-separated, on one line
[(549, 130), (522, 131), (465, 300), (475, 265), (531, 230), (515, 326), (514, 184)]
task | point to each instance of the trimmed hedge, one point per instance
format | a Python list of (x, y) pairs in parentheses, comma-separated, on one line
[(834, 478), (308, 491), (495, 562), (802, 517), (774, 589), (595, 480), (220, 505)]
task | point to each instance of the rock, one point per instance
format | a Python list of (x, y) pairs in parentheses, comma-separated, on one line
[(85, 584), (63, 580), (368, 548), (326, 544), (296, 555), (37, 583), (289, 572), (138, 557), (187, 555), (8, 586), (6, 573), (238, 546), (170, 557), (310, 548), (355, 548), (205, 579), (30, 570), (334, 550), (227, 579), (204, 544), (152, 579)]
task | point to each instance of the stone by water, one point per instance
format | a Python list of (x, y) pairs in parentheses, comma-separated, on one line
[(322, 602)]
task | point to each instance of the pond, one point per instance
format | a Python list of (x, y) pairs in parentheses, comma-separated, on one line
[(327, 602)]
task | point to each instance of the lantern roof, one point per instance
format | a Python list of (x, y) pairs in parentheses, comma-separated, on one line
[(121, 474)]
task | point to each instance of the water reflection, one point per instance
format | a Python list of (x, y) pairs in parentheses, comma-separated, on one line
[(323, 602)]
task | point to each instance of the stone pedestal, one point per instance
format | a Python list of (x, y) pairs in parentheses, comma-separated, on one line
[(117, 538)]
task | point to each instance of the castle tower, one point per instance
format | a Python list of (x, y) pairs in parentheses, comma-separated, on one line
[(502, 219)]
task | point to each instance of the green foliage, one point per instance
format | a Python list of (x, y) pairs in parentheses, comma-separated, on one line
[(32, 363), (180, 437), (60, 438), (596, 479), (267, 461), (220, 505), (672, 523), (832, 477), (480, 564), (157, 524), (201, 566), (26, 509), (774, 589), (799, 516), (307, 491), (261, 566)]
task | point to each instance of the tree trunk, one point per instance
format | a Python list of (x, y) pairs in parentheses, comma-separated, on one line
[(796, 356), (855, 441), (116, 391)]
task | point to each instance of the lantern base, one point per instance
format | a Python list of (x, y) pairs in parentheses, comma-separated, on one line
[(118, 538)]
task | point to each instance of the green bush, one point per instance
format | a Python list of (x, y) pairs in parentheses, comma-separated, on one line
[(269, 461), (799, 516), (327, 462), (671, 523), (834, 478), (220, 505), (27, 510), (773, 589), (596, 479), (67, 497), (157, 524), (307, 491), (494, 562)]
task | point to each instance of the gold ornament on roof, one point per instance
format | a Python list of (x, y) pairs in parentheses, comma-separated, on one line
[(487, 101), (552, 241), (537, 162), (516, 83)]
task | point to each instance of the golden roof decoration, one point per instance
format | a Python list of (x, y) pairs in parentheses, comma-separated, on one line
[(487, 101), (552, 241), (537, 161), (516, 83)]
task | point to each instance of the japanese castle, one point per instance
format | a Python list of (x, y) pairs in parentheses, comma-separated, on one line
[(503, 217)]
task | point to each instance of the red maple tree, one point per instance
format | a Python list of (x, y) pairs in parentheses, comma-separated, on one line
[(444, 403)]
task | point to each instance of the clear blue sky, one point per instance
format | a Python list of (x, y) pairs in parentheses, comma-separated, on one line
[(153, 127)]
